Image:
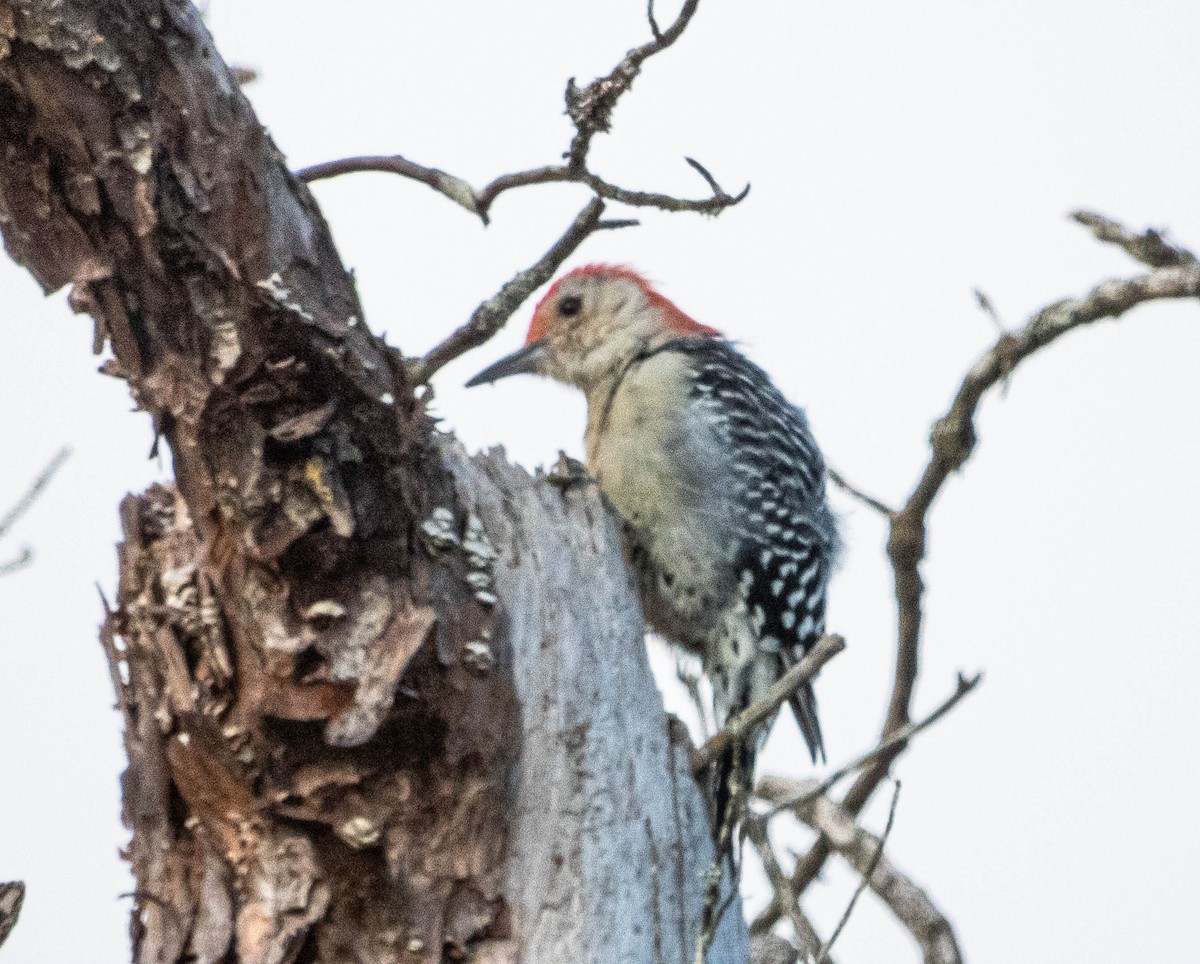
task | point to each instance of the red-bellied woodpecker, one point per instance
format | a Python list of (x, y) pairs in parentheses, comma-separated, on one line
[(715, 474)]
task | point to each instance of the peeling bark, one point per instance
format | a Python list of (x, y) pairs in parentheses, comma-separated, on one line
[(381, 702)]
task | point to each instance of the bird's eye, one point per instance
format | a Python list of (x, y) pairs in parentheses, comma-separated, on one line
[(570, 305)]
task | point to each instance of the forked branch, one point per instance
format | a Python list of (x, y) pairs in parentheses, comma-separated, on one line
[(590, 109), (909, 903), (952, 441)]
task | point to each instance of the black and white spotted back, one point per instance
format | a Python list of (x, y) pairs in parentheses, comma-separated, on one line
[(784, 531)]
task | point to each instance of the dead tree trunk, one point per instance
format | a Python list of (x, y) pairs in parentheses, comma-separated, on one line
[(383, 702)]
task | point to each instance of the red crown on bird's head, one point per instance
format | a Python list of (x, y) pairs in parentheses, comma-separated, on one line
[(679, 322)]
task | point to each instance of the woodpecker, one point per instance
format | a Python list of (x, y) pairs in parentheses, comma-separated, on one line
[(715, 475)]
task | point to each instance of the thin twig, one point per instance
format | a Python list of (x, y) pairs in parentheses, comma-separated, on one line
[(491, 316), (952, 441), (455, 188), (654, 29), (867, 873), (883, 748), (868, 500), (602, 188), (744, 723), (758, 833), (25, 555), (590, 109), (910, 904), (34, 491), (989, 309), (479, 202), (17, 562), (1151, 247)]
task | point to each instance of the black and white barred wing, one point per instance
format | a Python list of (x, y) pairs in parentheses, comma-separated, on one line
[(787, 535)]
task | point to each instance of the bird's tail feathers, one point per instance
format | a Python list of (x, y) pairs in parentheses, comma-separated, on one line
[(804, 707)]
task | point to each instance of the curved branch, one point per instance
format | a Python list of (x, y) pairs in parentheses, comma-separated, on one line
[(1151, 247), (758, 833), (952, 441), (908, 902), (714, 204), (867, 872), (480, 202), (590, 109), (455, 188)]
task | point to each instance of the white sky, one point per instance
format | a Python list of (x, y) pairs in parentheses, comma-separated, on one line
[(901, 154)]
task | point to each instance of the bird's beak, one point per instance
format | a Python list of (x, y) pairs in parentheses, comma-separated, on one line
[(522, 362)]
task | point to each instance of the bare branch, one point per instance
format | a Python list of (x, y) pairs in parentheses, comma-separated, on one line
[(883, 748), (590, 109), (868, 500), (758, 833), (654, 28), (952, 441), (809, 791), (17, 562), (773, 949), (12, 896), (34, 491), (1151, 247), (745, 722), (867, 874), (737, 729), (455, 188), (719, 192), (480, 202), (715, 204), (491, 316), (32, 494), (989, 309), (910, 905)]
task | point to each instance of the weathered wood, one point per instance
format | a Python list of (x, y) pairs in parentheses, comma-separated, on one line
[(336, 752), (609, 839)]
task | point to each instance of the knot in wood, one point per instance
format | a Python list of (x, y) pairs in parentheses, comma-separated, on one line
[(906, 541), (952, 439)]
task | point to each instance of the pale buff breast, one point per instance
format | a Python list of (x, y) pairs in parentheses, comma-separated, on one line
[(660, 464)]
